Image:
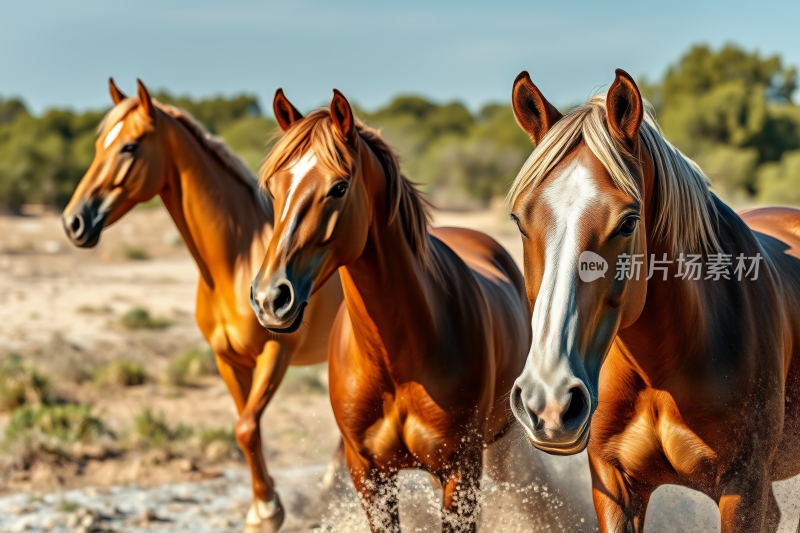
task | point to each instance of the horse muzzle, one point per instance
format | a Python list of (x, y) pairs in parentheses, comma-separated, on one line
[(277, 307), (556, 420), (83, 226)]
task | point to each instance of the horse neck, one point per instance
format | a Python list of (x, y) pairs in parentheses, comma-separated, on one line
[(389, 294), (218, 217), (676, 330)]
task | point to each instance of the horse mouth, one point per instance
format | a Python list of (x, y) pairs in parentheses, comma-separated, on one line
[(296, 323), (563, 447)]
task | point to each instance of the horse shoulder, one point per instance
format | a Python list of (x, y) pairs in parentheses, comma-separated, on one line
[(354, 380), (230, 329), (503, 289)]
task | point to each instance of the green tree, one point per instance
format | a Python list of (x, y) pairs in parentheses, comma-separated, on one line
[(43, 158), (730, 109)]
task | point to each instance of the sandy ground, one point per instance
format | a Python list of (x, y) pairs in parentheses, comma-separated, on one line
[(60, 309)]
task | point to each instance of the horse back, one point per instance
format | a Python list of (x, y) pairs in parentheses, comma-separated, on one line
[(778, 232), (502, 288)]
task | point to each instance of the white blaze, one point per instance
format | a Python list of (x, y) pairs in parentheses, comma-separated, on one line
[(112, 135), (299, 171), (555, 317)]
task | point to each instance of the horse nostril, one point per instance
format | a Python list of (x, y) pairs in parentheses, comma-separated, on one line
[(519, 406), (574, 415), (76, 225), (284, 298)]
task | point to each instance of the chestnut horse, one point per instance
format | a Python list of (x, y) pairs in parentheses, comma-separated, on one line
[(146, 148), (435, 326), (691, 377)]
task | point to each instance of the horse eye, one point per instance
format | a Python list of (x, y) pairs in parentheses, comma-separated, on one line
[(628, 226), (515, 219), (128, 148), (338, 190)]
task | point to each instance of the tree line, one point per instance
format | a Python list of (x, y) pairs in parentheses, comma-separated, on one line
[(729, 109)]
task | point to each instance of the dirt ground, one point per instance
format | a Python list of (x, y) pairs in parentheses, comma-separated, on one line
[(60, 310)]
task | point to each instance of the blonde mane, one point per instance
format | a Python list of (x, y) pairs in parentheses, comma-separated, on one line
[(684, 211), (317, 132), (214, 145)]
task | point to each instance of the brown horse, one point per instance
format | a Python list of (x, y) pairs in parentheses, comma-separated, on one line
[(146, 148), (691, 375), (435, 324)]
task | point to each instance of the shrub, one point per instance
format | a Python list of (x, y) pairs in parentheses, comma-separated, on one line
[(92, 310), (66, 423), (121, 373), (779, 182), (136, 254), (139, 318), (22, 385), (151, 430), (218, 443), (197, 362)]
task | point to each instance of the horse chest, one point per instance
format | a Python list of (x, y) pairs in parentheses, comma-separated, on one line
[(407, 433), (657, 446), (234, 336)]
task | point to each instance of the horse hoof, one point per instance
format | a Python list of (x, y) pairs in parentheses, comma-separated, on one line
[(265, 517)]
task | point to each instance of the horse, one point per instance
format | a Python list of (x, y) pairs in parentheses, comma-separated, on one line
[(435, 323), (145, 149), (672, 374)]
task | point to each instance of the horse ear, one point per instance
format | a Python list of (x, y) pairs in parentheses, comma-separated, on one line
[(624, 109), (116, 95), (533, 112), (342, 115), (145, 101), (285, 113)]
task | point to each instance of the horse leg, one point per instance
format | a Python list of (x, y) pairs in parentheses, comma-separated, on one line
[(620, 501), (239, 383), (460, 494), (252, 393), (377, 492), (773, 514), (266, 513), (746, 503), (335, 464)]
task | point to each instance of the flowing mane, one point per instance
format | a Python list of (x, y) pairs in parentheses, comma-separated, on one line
[(317, 132), (214, 145), (685, 208)]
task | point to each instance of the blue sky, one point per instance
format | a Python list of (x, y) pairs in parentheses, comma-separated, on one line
[(61, 53)]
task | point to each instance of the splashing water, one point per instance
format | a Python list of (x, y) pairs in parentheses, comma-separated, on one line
[(517, 495)]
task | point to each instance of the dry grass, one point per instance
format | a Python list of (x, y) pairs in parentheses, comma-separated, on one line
[(196, 363), (66, 423), (152, 430), (92, 310), (139, 318), (53, 433), (135, 254), (22, 384), (120, 373)]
